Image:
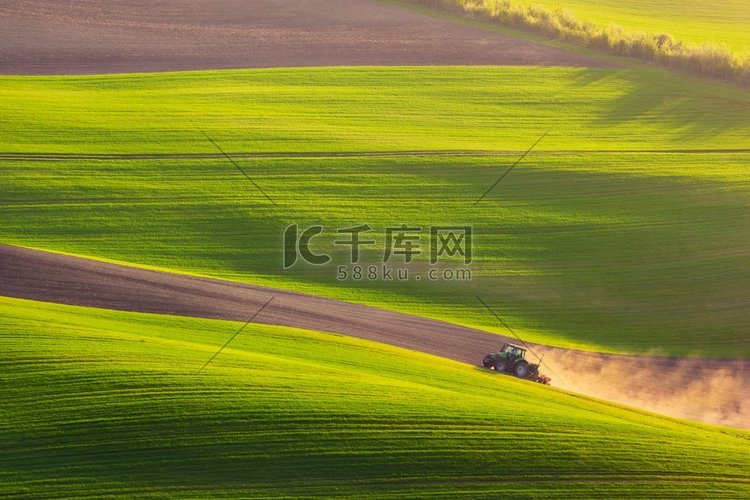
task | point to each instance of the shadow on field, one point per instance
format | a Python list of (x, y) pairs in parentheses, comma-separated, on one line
[(690, 113)]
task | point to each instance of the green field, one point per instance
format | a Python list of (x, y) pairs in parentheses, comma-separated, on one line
[(370, 109), (102, 403), (694, 21), (626, 230)]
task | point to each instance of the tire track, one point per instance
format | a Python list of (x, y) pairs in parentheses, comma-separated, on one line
[(28, 156)]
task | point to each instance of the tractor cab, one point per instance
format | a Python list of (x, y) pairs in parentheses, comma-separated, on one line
[(512, 351)]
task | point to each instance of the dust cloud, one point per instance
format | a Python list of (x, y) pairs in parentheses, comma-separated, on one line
[(708, 390)]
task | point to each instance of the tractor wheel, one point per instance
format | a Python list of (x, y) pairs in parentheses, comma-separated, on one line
[(521, 370), (488, 361), (501, 365)]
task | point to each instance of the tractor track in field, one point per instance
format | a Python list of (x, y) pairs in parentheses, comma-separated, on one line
[(711, 390), (99, 36), (53, 157)]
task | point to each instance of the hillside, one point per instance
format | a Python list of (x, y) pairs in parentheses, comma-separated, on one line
[(624, 230), (261, 249), (101, 403)]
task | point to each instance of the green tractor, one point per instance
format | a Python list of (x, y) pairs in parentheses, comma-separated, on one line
[(512, 359)]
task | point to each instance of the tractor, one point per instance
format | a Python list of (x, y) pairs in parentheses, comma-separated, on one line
[(512, 359)]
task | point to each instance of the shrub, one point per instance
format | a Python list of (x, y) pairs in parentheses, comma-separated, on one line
[(706, 59)]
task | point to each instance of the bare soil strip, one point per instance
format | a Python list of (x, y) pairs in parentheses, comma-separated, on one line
[(103, 36), (710, 390)]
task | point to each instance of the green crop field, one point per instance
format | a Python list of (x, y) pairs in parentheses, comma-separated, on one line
[(370, 109), (625, 200), (694, 21), (608, 209), (102, 403), (625, 230)]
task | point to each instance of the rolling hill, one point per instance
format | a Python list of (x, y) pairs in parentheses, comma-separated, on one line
[(608, 202), (623, 231), (103, 403)]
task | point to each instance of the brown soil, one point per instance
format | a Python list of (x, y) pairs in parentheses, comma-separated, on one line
[(711, 390), (104, 36)]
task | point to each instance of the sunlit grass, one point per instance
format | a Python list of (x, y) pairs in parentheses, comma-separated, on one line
[(694, 21), (106, 403), (609, 236)]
